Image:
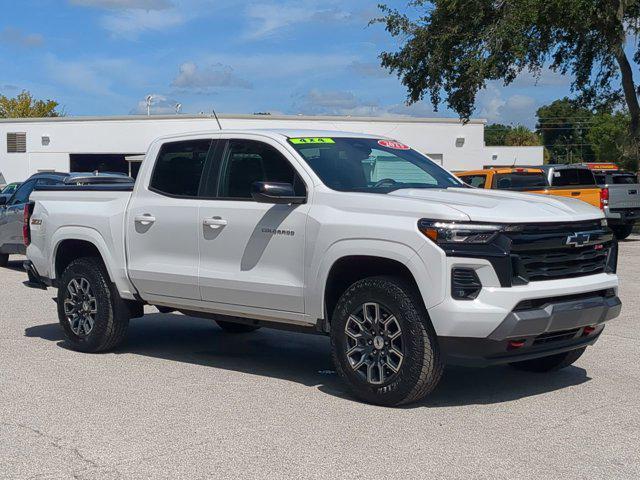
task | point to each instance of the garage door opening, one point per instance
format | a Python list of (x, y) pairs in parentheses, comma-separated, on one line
[(103, 162)]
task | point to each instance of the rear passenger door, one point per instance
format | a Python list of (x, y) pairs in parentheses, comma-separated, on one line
[(162, 223), (252, 254)]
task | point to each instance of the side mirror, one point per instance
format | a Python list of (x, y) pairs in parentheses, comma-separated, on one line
[(274, 192), (3, 200)]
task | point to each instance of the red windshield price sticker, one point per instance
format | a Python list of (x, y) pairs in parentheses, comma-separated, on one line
[(394, 145)]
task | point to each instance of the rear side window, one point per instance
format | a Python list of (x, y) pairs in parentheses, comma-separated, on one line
[(567, 177), (520, 181), (178, 169)]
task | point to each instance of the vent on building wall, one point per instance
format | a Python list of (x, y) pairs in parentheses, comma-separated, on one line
[(16, 142)]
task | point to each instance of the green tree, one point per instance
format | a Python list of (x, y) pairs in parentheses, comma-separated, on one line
[(608, 136), (563, 126), (453, 47), (25, 105), (521, 136), (494, 134)]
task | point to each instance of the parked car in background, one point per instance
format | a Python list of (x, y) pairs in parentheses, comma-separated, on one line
[(10, 188), (12, 206), (360, 238), (507, 178), (573, 181), (621, 192)]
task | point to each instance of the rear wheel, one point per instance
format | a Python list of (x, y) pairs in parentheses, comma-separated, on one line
[(550, 363), (4, 259), (622, 231), (90, 311), (383, 344)]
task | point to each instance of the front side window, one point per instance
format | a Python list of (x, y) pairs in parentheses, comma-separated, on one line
[(249, 161), (179, 166), (369, 165)]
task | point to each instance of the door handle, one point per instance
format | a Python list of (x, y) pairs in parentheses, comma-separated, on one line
[(215, 222), (575, 194), (145, 219)]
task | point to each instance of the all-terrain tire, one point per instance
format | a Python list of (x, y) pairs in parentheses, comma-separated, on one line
[(111, 317), (233, 327), (550, 363), (622, 231), (421, 367), (4, 259)]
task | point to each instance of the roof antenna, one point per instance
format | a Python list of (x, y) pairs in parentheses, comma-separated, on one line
[(515, 160), (216, 115)]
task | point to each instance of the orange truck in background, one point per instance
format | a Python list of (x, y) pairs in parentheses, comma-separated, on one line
[(573, 181)]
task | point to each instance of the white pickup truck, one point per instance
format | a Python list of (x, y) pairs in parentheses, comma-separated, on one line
[(357, 237)]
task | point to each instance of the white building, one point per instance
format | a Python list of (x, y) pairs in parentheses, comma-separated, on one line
[(66, 144)]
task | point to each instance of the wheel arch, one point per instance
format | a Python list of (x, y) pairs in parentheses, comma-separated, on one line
[(344, 266), (71, 243)]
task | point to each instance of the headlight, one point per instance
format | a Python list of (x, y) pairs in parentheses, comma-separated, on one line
[(443, 232)]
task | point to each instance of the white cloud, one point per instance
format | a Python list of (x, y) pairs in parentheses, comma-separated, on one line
[(129, 24), (97, 76), (191, 77), (340, 102), (368, 69), (266, 19), (546, 78), (332, 102), (16, 37), (124, 4), (160, 105), (515, 109)]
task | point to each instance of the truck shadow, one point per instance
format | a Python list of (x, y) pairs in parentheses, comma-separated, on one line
[(16, 265), (305, 359)]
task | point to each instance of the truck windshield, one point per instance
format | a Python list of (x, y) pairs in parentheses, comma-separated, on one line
[(520, 181), (369, 165)]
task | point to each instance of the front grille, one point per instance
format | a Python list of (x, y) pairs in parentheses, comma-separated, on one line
[(562, 263), (560, 336), (542, 252)]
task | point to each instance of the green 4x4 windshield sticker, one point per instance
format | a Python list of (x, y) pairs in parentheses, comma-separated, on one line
[(310, 140)]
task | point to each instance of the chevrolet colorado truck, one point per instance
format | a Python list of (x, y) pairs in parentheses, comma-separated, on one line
[(357, 237)]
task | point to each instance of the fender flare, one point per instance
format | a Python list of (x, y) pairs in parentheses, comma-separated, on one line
[(389, 250), (90, 235)]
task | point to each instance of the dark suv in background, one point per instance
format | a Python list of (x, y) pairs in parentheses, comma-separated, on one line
[(12, 207)]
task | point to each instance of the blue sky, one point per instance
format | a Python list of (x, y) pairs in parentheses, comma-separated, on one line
[(102, 57)]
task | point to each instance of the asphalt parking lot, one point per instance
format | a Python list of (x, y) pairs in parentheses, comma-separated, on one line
[(182, 399)]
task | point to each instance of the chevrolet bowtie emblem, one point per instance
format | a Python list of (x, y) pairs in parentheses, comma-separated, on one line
[(578, 239)]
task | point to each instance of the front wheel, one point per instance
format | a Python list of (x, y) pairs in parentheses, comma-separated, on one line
[(91, 312), (383, 344), (4, 259), (550, 363), (622, 231)]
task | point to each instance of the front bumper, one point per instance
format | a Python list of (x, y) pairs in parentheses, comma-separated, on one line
[(536, 329)]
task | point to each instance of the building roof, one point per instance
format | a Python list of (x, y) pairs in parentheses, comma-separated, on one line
[(454, 121)]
